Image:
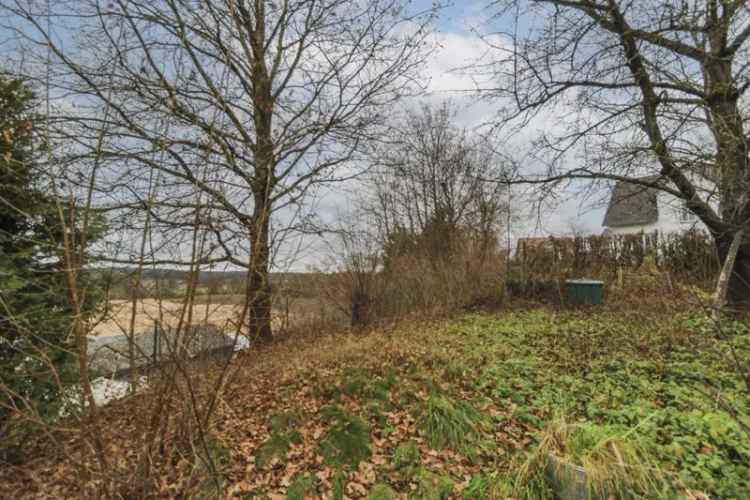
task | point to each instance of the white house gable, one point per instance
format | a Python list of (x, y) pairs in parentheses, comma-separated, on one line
[(634, 208)]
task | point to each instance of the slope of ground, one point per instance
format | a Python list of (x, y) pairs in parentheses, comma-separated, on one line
[(454, 410)]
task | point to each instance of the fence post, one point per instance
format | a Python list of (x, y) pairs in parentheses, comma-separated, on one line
[(523, 268)]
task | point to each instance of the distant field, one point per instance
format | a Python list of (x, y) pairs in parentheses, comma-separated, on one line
[(149, 310), (221, 310)]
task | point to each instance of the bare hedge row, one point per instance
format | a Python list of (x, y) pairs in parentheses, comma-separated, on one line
[(688, 257)]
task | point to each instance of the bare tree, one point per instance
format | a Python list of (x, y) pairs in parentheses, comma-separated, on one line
[(437, 221), (250, 102), (650, 92), (352, 283), (429, 179)]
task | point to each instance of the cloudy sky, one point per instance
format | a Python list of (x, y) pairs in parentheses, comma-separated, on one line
[(458, 44)]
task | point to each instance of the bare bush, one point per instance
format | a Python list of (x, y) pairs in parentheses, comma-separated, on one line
[(427, 240)]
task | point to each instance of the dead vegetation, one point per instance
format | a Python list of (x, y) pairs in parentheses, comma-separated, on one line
[(427, 410)]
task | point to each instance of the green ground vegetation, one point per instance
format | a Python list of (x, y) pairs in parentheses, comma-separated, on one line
[(650, 406), (495, 406)]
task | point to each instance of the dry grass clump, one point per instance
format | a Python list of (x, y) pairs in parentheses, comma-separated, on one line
[(586, 459)]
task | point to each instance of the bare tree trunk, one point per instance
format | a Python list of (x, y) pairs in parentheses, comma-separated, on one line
[(359, 300), (739, 284), (737, 281), (258, 285), (726, 123)]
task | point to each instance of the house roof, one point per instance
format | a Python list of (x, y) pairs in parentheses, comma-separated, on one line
[(631, 205), (535, 243)]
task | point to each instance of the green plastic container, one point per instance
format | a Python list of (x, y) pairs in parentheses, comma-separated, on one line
[(584, 292)]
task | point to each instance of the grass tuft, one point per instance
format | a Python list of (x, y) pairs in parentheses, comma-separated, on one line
[(432, 486), (284, 421), (406, 455), (454, 371), (488, 487), (382, 492), (375, 413), (276, 446), (614, 465), (301, 487), (339, 484), (452, 424), (364, 385), (347, 442)]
